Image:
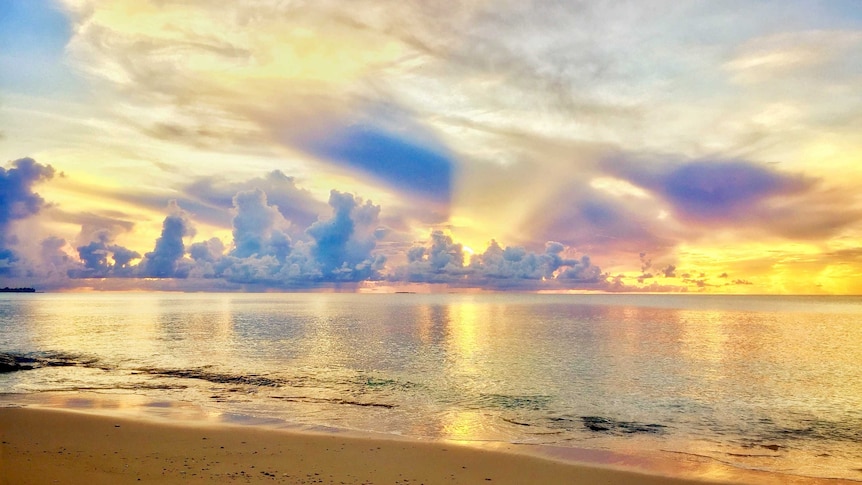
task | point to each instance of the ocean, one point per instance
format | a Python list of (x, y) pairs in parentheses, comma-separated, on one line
[(759, 382)]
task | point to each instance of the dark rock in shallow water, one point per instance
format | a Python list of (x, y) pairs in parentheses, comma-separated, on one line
[(595, 423), (607, 425), (14, 363)]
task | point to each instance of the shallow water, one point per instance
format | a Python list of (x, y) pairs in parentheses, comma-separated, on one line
[(758, 382)]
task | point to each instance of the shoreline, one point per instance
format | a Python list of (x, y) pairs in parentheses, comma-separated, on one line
[(100, 440)]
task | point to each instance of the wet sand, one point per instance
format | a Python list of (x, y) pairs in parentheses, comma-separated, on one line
[(44, 446)]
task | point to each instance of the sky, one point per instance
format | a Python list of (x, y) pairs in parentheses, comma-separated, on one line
[(267, 145)]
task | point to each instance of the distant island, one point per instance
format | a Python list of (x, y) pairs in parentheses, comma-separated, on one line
[(17, 290)]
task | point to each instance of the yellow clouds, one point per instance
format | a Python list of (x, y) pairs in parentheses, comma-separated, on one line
[(774, 267), (767, 58), (236, 46)]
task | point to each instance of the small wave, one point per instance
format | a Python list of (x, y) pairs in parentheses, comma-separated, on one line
[(319, 400)]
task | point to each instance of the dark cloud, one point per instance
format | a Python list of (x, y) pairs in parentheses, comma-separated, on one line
[(163, 261), (52, 254), (719, 190), (343, 244), (711, 191), (740, 195), (101, 258), (516, 263), (403, 164), (18, 201)]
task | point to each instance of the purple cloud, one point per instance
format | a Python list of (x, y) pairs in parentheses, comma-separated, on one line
[(164, 260), (18, 201)]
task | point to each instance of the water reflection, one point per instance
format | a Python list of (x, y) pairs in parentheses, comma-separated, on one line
[(711, 379), (463, 345)]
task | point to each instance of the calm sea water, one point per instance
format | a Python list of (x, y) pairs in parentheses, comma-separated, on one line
[(771, 383)]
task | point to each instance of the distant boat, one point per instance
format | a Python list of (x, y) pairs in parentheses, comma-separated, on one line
[(17, 290)]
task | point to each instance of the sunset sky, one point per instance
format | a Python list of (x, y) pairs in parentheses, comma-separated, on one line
[(700, 146)]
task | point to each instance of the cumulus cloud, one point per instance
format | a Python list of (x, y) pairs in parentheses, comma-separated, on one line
[(18, 201), (338, 249), (257, 226), (101, 258), (343, 244), (213, 199), (164, 260), (442, 260)]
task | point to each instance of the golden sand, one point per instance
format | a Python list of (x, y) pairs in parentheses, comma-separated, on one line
[(45, 446)]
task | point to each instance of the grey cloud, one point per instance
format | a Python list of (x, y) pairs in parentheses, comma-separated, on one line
[(345, 241), (604, 225), (442, 261), (18, 201), (295, 204), (257, 225), (338, 249), (207, 251), (97, 257), (165, 259), (741, 195)]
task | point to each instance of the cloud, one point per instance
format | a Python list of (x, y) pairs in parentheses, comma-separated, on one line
[(18, 201), (740, 196), (343, 244), (603, 224), (797, 56), (516, 263), (443, 261), (163, 261), (101, 259), (212, 197), (403, 164), (719, 190), (257, 226), (334, 250)]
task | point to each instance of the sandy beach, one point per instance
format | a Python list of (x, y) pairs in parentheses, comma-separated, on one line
[(44, 446)]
